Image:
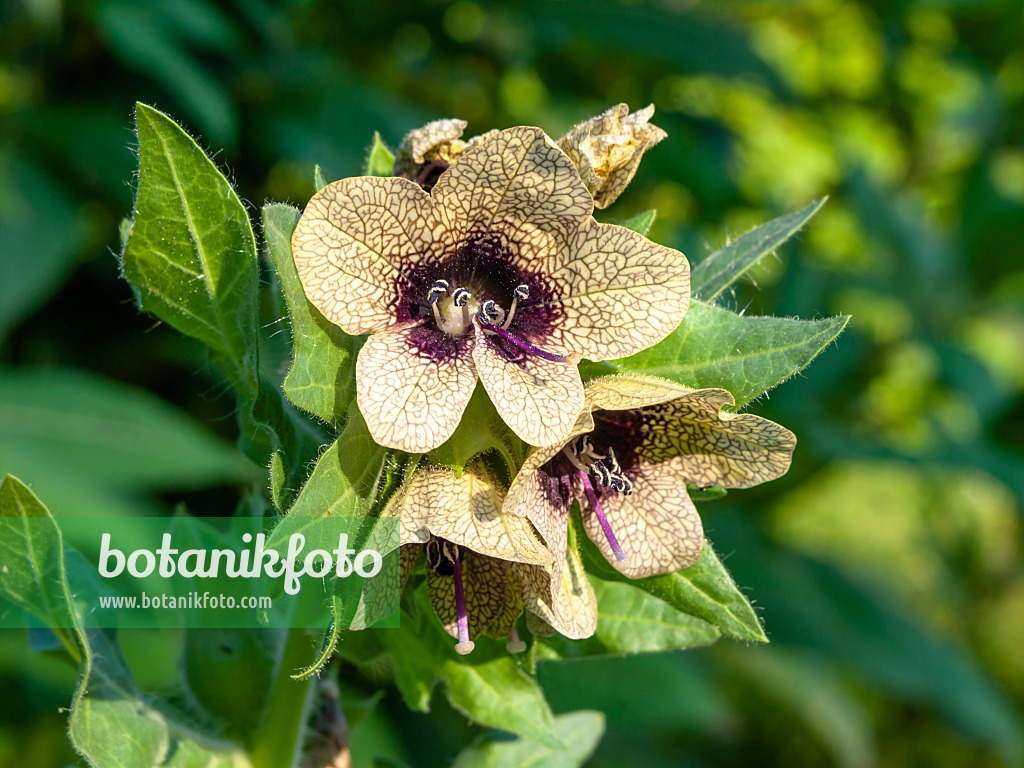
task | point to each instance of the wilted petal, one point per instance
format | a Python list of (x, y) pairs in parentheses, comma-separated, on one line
[(657, 527), (518, 185), (567, 603), (410, 401), (483, 579), (440, 140), (467, 511), (607, 149), (618, 292), (539, 399), (353, 244)]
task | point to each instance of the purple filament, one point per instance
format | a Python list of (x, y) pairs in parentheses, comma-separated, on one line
[(525, 346), (596, 506), (460, 604)]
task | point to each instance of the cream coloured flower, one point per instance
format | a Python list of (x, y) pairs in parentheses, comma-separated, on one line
[(636, 445), (483, 566), (499, 273), (607, 149)]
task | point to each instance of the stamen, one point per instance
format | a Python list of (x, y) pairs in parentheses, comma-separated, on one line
[(596, 506), (521, 293), (437, 290), (613, 463), (601, 473), (515, 645), (490, 311), (465, 645), (526, 346), (571, 456), (461, 297)]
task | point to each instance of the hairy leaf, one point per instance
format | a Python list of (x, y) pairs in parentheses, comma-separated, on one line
[(321, 379), (714, 347), (191, 253), (727, 265), (380, 161)]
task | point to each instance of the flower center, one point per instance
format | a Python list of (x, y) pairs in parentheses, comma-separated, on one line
[(606, 472), (456, 309)]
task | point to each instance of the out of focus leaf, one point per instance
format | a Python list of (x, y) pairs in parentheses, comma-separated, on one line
[(714, 347), (144, 41), (41, 233), (812, 605), (107, 705), (321, 378), (381, 160), (118, 436), (191, 253), (705, 590), (727, 265), (816, 694), (642, 222), (580, 732)]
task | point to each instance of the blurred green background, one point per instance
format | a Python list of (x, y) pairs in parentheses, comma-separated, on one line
[(886, 564)]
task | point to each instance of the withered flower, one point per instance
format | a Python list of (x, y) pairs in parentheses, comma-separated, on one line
[(501, 272), (636, 445), (607, 149)]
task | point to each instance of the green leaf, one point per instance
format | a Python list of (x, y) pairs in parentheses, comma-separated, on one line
[(481, 429), (33, 575), (498, 693), (42, 232), (191, 253), (726, 265), (321, 379), (714, 347), (319, 182), (346, 478), (705, 494), (705, 590), (631, 620), (112, 724), (117, 436), (642, 222), (580, 732), (381, 160)]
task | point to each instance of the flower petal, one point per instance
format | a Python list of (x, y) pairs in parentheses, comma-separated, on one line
[(483, 583), (502, 625), (568, 603), (530, 495), (657, 527), (622, 393), (708, 446), (618, 292), (353, 244), (467, 511), (412, 402), (517, 184), (539, 399)]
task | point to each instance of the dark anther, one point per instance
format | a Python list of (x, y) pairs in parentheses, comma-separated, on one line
[(461, 297), (522, 292)]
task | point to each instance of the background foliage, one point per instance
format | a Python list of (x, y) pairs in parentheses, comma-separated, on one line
[(886, 565)]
